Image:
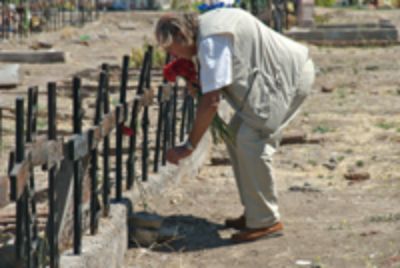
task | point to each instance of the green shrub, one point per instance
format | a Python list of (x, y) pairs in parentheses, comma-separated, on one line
[(325, 3)]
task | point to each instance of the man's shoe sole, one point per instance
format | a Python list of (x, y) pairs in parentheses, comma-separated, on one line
[(275, 230)]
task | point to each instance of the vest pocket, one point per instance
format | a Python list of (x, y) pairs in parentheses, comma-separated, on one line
[(257, 99), (265, 105)]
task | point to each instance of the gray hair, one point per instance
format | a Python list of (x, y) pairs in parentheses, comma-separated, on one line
[(181, 28)]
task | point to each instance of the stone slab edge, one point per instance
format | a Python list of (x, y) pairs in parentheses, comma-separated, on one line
[(107, 248), (38, 57)]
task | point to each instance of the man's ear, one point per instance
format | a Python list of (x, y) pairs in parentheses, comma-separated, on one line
[(180, 38)]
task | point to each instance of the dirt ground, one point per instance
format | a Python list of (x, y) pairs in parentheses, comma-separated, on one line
[(329, 221)]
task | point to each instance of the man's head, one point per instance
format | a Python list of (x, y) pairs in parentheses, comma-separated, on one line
[(177, 33)]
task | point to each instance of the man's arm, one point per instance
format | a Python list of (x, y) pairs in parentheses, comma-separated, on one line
[(206, 110)]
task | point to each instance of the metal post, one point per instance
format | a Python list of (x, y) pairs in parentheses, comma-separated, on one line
[(130, 163), (165, 123), (82, 13), (19, 157), (62, 8), (119, 137), (71, 14), (174, 104), (77, 123), (166, 135), (146, 120), (32, 227), (124, 79), (135, 110), (3, 19), (97, 9), (106, 148), (118, 167), (8, 19), (28, 233), (159, 128), (93, 170), (52, 135), (30, 115), (190, 114), (184, 115)]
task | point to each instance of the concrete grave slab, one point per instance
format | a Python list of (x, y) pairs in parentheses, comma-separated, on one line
[(127, 26), (9, 75), (49, 56), (347, 34)]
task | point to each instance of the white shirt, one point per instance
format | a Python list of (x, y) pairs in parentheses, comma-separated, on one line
[(215, 57)]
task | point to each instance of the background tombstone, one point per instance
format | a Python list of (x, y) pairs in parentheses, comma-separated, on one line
[(305, 13)]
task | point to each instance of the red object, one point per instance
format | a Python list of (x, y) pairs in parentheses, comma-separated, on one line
[(180, 67), (127, 131)]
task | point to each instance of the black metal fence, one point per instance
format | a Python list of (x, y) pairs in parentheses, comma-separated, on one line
[(19, 18), (49, 152)]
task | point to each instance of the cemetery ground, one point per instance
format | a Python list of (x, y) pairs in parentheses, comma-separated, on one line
[(338, 198), (339, 188)]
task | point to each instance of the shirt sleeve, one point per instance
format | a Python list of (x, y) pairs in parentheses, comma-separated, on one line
[(215, 57)]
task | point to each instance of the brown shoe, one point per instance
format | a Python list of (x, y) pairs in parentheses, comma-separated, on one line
[(254, 234), (237, 223)]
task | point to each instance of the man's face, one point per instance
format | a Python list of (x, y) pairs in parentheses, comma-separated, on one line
[(181, 50)]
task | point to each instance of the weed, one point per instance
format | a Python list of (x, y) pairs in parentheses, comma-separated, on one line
[(136, 57), (317, 262), (312, 163), (341, 92), (360, 163), (386, 125), (322, 129), (114, 101), (321, 19), (349, 151), (158, 57), (181, 5), (41, 123), (391, 217), (344, 224), (372, 68)]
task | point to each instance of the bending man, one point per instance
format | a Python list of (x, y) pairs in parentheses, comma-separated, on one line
[(265, 77)]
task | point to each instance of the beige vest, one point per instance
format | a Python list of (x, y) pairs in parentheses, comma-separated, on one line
[(266, 66)]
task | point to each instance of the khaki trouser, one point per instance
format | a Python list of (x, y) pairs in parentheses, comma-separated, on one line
[(251, 158)]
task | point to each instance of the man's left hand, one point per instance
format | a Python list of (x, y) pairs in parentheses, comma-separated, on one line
[(174, 155)]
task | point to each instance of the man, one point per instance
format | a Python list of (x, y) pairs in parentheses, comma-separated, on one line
[(265, 77)]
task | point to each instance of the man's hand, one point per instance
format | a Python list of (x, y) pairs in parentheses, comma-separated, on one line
[(193, 91), (175, 154)]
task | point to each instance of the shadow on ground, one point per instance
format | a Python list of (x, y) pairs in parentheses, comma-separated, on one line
[(192, 234)]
